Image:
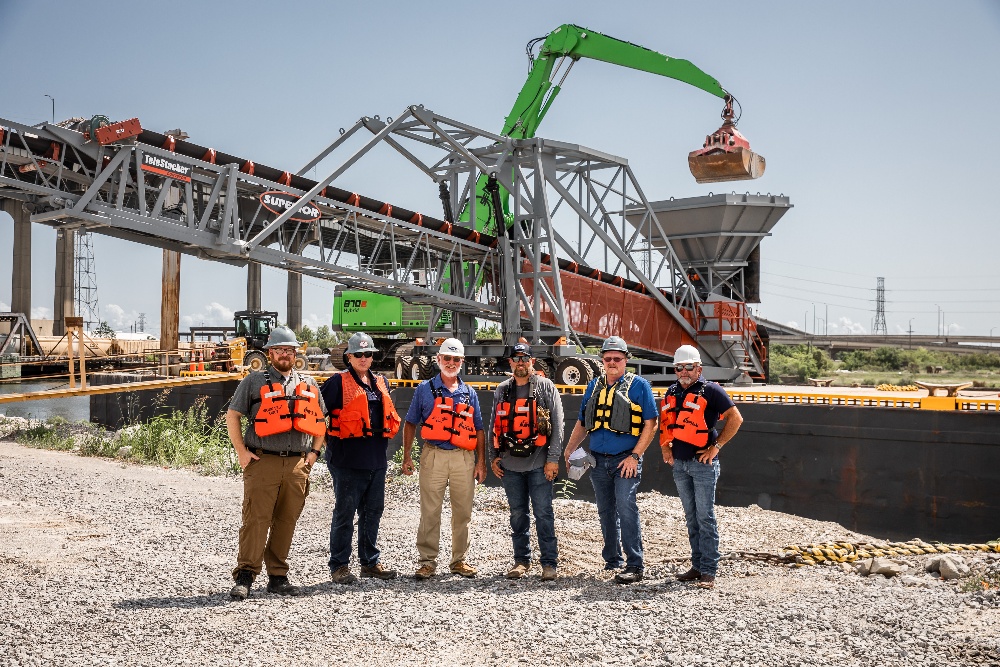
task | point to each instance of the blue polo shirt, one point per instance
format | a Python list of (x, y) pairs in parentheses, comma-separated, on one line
[(423, 403), (718, 402), (604, 441)]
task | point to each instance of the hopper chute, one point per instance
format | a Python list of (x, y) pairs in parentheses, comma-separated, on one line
[(726, 154)]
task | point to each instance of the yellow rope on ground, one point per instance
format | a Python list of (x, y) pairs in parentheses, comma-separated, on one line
[(846, 552)]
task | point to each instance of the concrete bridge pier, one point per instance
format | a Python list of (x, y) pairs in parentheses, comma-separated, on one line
[(20, 292), (294, 301), (170, 308), (63, 305), (253, 286)]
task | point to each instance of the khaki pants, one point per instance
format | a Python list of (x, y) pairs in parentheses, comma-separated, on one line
[(274, 493), (440, 469)]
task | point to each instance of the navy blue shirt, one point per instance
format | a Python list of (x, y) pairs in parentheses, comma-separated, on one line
[(604, 441), (358, 453), (423, 403), (718, 402)]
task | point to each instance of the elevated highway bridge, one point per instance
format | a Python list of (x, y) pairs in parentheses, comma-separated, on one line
[(783, 335)]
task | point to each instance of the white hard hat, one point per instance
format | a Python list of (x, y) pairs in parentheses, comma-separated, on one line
[(580, 461), (452, 346), (687, 354)]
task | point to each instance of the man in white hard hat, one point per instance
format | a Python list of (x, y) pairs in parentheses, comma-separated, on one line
[(284, 437), (362, 420), (527, 434), (618, 412), (453, 457), (690, 443)]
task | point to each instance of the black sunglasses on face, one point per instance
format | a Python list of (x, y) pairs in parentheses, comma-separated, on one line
[(365, 355), (449, 358), (685, 367)]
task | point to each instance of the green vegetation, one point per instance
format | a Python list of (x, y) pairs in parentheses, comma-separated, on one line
[(889, 365), (177, 439), (322, 337)]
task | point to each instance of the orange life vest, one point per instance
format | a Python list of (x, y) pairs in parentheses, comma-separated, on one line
[(276, 414), (353, 420), (515, 425), (449, 422), (684, 421)]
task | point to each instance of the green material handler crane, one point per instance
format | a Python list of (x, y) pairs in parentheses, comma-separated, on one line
[(724, 156)]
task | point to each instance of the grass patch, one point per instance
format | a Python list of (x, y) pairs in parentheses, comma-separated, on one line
[(179, 439)]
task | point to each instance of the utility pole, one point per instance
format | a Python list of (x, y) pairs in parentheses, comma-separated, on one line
[(879, 326), (53, 108), (911, 333)]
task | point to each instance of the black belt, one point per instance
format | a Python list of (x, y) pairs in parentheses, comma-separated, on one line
[(258, 452), (611, 455)]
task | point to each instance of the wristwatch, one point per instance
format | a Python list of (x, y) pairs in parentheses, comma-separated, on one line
[(635, 456), (718, 445), (317, 452)]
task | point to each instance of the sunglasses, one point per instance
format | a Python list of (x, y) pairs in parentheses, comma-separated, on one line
[(613, 360), (363, 355), (449, 358), (521, 359), (283, 351), (685, 367)]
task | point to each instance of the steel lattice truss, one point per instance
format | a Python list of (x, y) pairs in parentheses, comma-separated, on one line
[(568, 203)]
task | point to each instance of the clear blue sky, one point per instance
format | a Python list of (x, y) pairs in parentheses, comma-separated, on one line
[(877, 119)]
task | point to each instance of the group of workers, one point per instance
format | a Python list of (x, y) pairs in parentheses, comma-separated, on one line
[(289, 419)]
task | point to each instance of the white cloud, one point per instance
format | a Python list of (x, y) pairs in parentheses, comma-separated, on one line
[(118, 318), (846, 325), (4, 307), (212, 315), (41, 313), (793, 324), (314, 321)]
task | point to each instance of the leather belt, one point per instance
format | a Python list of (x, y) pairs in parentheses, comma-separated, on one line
[(258, 452)]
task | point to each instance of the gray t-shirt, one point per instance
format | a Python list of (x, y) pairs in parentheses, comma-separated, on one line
[(548, 397), (246, 401)]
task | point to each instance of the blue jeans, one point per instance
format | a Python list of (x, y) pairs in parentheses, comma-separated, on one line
[(360, 492), (522, 487), (696, 487), (618, 511)]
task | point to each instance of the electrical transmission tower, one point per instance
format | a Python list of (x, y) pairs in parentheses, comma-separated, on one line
[(142, 322), (879, 327), (86, 281)]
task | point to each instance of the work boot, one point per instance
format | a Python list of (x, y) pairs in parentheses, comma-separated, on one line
[(549, 573), (629, 575), (425, 571), (464, 569), (378, 571), (690, 575), (244, 581), (706, 581), (278, 583), (342, 575), (518, 571)]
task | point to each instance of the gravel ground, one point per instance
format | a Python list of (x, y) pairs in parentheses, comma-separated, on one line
[(119, 564)]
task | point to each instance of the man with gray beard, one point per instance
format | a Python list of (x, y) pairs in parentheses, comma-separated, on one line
[(690, 409)]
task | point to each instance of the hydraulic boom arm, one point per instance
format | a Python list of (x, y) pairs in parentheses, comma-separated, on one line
[(560, 50), (567, 44)]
